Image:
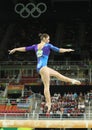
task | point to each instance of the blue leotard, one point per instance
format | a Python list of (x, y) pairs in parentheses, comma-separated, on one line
[(43, 54)]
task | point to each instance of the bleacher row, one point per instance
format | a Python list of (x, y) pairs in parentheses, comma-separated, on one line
[(64, 106), (12, 110)]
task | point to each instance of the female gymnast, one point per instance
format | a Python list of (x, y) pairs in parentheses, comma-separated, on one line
[(42, 51)]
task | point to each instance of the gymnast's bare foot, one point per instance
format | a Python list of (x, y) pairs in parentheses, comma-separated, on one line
[(77, 82), (48, 106)]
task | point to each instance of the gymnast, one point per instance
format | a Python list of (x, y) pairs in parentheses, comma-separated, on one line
[(42, 51)]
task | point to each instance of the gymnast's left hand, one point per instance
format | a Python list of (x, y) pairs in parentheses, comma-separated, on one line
[(69, 50), (12, 51)]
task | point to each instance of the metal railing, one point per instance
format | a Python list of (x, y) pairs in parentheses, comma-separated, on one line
[(44, 116), (50, 62)]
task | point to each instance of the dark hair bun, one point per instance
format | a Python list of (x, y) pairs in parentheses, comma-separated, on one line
[(40, 34)]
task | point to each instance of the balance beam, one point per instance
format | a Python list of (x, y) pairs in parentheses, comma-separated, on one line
[(47, 123)]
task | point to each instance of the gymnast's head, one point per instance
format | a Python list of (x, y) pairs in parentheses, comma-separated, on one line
[(44, 37)]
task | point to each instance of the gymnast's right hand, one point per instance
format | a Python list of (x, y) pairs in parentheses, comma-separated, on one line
[(12, 51)]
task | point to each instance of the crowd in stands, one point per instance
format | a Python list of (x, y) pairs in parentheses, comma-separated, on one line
[(69, 105)]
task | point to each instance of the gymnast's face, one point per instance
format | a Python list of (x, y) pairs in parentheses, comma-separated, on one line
[(47, 39)]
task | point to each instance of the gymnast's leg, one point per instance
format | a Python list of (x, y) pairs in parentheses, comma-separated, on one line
[(62, 78), (45, 73), (46, 81)]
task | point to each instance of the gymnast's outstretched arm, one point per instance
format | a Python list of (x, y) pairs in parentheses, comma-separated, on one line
[(62, 50), (21, 49)]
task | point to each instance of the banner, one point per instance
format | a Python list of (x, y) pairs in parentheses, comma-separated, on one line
[(16, 128)]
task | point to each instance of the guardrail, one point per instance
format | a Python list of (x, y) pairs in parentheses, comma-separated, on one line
[(50, 62), (46, 116)]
